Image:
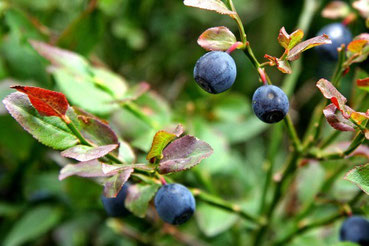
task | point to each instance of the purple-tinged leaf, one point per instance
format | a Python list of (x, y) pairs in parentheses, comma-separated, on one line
[(88, 169), (50, 131), (282, 65), (289, 41), (61, 58), (330, 92), (335, 10), (217, 38), (183, 153), (363, 7), (88, 153), (213, 5), (295, 52), (336, 119), (114, 184), (359, 175), (112, 169), (138, 198), (161, 140)]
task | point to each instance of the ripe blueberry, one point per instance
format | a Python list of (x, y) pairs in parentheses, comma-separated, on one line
[(270, 103), (339, 34), (175, 203), (114, 207), (355, 229), (215, 72)]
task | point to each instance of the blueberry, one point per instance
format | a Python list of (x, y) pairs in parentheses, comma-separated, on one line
[(215, 72), (175, 203), (355, 229), (114, 207), (270, 103), (339, 34)]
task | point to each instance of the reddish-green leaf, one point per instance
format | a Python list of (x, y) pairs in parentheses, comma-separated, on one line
[(336, 120), (114, 184), (87, 153), (184, 153), (363, 83), (336, 9), (213, 5), (46, 102), (289, 41), (359, 175), (358, 49), (138, 198), (330, 92), (295, 52), (217, 38), (51, 131), (112, 169), (86, 169), (161, 140), (282, 65)]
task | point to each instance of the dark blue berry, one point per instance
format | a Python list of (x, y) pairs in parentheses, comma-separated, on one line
[(215, 72), (270, 103), (339, 34), (175, 203), (355, 229), (114, 207)]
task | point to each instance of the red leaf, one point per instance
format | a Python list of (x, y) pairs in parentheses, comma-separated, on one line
[(46, 102), (336, 120), (362, 82)]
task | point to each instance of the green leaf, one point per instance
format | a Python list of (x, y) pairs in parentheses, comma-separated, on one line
[(213, 5), (359, 175), (87, 153), (346, 244), (51, 131), (32, 225), (138, 198), (126, 153), (112, 83), (289, 41), (161, 140), (114, 184), (217, 38), (184, 153), (212, 220)]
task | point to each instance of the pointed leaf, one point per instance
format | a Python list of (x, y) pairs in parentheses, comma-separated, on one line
[(161, 140), (114, 184), (88, 153), (295, 52), (335, 10), (46, 102), (138, 198), (289, 41), (86, 169), (358, 49), (112, 169), (330, 92), (359, 175), (336, 120), (51, 131), (214, 5), (184, 153), (282, 65), (283, 38), (217, 38)]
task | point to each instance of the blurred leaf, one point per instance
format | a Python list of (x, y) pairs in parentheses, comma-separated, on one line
[(295, 52), (4, 91), (51, 131), (214, 5), (346, 244), (32, 225), (335, 10), (363, 7), (184, 153), (359, 175), (336, 120), (310, 180), (46, 102), (212, 220), (217, 38), (112, 83), (114, 184), (138, 198), (161, 140), (126, 153), (135, 92), (289, 41), (88, 153), (363, 83)]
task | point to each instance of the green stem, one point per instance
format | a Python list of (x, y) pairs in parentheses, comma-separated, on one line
[(293, 134), (136, 111), (326, 142)]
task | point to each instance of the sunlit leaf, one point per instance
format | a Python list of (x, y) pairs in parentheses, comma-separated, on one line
[(289, 41), (217, 38), (336, 9), (295, 52), (359, 175), (282, 65), (363, 7), (86, 169), (87, 153), (214, 5)]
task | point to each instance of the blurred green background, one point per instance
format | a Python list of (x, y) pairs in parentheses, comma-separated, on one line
[(155, 41)]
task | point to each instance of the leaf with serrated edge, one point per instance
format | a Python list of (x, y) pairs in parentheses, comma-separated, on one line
[(184, 153), (217, 38), (88, 169), (46, 102), (114, 184), (161, 140), (295, 52), (51, 131), (213, 5), (359, 175), (337, 121), (87, 153), (138, 198)]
